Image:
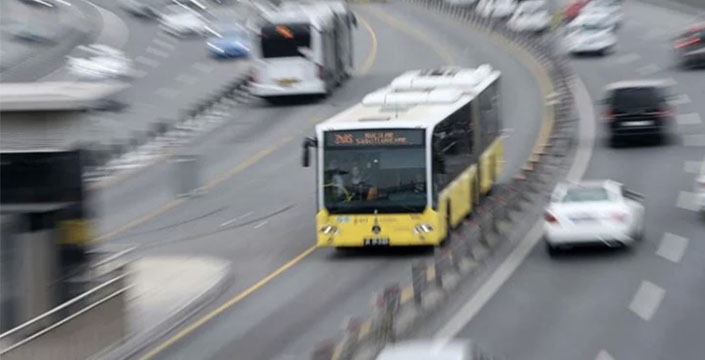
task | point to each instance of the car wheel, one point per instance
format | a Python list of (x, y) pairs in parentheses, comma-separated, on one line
[(552, 250), (615, 141)]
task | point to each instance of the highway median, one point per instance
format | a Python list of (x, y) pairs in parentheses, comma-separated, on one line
[(502, 219)]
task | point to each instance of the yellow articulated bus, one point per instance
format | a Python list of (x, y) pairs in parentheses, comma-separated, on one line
[(410, 161)]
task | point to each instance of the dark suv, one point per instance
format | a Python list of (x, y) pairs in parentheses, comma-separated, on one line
[(690, 47), (635, 109)]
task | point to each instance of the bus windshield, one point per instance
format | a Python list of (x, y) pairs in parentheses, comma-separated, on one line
[(375, 179), (285, 40)]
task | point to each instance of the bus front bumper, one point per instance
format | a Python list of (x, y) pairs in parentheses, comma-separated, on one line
[(381, 241), (303, 88)]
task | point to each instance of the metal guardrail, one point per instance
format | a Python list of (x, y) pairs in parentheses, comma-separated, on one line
[(30, 329), (398, 308)]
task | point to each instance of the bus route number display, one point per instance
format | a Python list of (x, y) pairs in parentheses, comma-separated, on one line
[(387, 137)]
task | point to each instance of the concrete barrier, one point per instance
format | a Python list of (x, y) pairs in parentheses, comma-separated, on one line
[(494, 223)]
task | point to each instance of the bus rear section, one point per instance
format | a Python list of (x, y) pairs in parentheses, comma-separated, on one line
[(290, 62)]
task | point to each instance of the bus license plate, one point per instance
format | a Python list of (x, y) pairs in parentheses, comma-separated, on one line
[(381, 241), (286, 82)]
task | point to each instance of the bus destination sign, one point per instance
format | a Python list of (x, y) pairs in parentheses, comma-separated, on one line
[(382, 137)]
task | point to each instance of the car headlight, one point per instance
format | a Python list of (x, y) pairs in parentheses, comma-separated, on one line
[(329, 229)]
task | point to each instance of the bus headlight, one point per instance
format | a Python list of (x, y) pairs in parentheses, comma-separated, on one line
[(423, 228), (329, 229)]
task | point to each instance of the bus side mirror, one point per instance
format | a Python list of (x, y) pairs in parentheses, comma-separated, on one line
[(306, 154)]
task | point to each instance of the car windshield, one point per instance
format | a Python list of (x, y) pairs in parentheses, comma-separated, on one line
[(532, 8), (636, 97), (585, 194), (375, 178)]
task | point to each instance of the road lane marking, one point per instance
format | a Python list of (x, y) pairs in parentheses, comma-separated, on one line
[(237, 218), (681, 100), (693, 167), (156, 52), (672, 247), (648, 69), (628, 58), (247, 163), (440, 50), (370, 60), (147, 61), (168, 93), (261, 224), (163, 43), (604, 355), (686, 200), (694, 140), (518, 255), (647, 300), (190, 328), (689, 119)]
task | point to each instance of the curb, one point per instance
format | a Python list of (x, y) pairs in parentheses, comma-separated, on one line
[(139, 342), (398, 309), (43, 59)]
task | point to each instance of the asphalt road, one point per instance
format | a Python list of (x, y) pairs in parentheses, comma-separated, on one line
[(643, 303), (173, 75), (258, 212)]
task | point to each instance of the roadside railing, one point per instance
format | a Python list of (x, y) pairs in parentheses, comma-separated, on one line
[(498, 221)]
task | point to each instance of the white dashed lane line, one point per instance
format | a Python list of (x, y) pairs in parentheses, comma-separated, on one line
[(681, 100), (686, 201), (647, 300), (628, 58), (604, 355), (164, 44), (260, 224), (697, 140), (648, 69), (147, 61), (693, 167), (689, 119), (672, 247), (157, 52)]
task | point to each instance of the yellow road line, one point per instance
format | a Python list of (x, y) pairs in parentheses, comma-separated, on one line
[(431, 273), (370, 61), (406, 294), (365, 329), (367, 66), (239, 297), (441, 51)]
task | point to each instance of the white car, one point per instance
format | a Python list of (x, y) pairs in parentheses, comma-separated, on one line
[(700, 190), (611, 7), (433, 350), (179, 20), (593, 212), (496, 8), (100, 62), (531, 16), (590, 35)]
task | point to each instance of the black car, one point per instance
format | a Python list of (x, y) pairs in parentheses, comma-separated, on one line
[(690, 47), (637, 109)]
